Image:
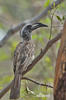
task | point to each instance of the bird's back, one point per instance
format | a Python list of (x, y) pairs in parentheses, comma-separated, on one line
[(23, 55), (22, 58)]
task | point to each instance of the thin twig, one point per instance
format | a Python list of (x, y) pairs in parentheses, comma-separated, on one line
[(35, 61), (51, 27), (51, 16), (41, 84), (43, 14)]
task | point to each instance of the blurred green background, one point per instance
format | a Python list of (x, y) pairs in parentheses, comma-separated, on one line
[(13, 12)]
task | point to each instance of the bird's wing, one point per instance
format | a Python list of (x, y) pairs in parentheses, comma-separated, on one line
[(23, 56)]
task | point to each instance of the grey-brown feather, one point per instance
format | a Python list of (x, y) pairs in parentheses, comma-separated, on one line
[(23, 56)]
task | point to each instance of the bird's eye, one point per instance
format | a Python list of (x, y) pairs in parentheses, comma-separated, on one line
[(29, 26)]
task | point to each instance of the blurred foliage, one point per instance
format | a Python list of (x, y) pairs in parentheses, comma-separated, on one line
[(13, 12)]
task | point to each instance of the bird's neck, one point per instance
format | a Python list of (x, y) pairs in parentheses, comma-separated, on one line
[(28, 42), (27, 39)]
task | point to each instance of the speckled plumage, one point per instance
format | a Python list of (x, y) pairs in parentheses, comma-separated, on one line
[(23, 56)]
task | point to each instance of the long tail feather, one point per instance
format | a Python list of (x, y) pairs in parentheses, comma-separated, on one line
[(15, 90)]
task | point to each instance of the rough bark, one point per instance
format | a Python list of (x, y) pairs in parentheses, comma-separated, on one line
[(60, 72)]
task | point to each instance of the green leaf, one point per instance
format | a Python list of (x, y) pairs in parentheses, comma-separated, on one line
[(54, 4), (47, 59), (47, 3), (58, 17), (63, 18)]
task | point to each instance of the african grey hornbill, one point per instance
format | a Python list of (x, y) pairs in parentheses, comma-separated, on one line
[(23, 56)]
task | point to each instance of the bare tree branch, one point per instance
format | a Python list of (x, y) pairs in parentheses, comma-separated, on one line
[(5, 90), (15, 29), (35, 61), (41, 84)]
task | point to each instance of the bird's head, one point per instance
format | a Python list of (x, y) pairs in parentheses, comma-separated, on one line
[(28, 28)]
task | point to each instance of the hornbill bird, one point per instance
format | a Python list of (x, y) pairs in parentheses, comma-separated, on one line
[(23, 56)]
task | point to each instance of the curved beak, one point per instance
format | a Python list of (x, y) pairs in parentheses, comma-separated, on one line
[(38, 25)]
